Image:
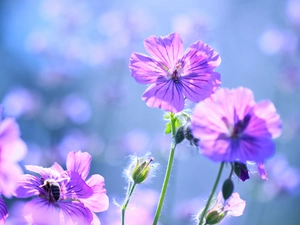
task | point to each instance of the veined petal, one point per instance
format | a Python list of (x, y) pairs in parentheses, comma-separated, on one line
[(44, 172), (40, 211), (28, 186), (98, 202), (3, 210), (77, 188), (74, 213), (167, 50), (165, 94), (199, 58), (199, 87), (79, 162), (144, 69), (57, 167)]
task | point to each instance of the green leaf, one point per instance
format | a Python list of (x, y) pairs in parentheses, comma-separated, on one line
[(168, 128)]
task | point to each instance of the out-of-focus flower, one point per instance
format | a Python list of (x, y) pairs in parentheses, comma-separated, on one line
[(12, 150), (64, 197), (293, 8), (173, 75), (3, 212), (234, 128), (233, 206)]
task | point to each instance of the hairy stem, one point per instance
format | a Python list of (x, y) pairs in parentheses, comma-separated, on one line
[(168, 172), (211, 194), (124, 206)]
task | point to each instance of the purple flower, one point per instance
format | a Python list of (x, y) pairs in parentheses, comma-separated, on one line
[(12, 150), (234, 128), (3, 212), (64, 197), (79, 162), (174, 75)]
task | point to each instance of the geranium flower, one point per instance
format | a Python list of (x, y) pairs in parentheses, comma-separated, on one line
[(63, 196), (80, 162), (12, 150), (234, 128), (174, 75)]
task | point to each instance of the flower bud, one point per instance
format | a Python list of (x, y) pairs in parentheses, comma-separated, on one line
[(214, 217), (141, 169), (241, 171), (179, 136), (189, 136), (227, 188)]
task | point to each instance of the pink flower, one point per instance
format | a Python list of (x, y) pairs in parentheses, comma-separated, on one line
[(234, 128), (174, 75)]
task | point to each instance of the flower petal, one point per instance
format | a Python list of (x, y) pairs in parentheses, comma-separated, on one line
[(144, 69), (167, 50), (235, 205), (98, 202), (44, 172), (75, 213), (199, 87), (77, 188), (79, 162), (261, 170), (199, 58), (40, 211), (165, 94), (28, 186), (265, 110), (3, 211)]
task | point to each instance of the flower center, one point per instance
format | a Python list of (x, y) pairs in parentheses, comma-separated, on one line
[(238, 128), (175, 72)]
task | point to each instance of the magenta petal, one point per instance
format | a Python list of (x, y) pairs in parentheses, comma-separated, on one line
[(44, 172), (79, 162), (266, 110), (28, 186), (144, 69), (98, 202), (40, 211), (261, 170), (199, 87), (77, 188), (75, 213), (167, 50), (165, 94), (57, 167), (3, 212), (199, 58)]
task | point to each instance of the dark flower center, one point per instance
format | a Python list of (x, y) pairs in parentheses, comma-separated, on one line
[(175, 72), (240, 126)]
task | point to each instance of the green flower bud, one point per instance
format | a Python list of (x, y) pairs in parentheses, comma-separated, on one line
[(214, 217), (141, 169), (227, 188), (179, 136)]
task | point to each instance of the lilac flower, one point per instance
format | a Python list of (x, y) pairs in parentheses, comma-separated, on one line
[(3, 212), (174, 75), (234, 128), (79, 162), (64, 197), (12, 150)]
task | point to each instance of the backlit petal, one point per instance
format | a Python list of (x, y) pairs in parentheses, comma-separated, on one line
[(80, 162)]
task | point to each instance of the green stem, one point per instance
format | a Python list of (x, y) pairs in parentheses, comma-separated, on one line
[(168, 172), (211, 194), (124, 206), (231, 172)]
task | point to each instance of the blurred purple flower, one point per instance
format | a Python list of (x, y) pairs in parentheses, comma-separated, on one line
[(12, 150), (3, 212), (173, 75), (63, 196), (234, 128)]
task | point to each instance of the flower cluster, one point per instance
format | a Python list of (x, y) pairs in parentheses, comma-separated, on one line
[(63, 196)]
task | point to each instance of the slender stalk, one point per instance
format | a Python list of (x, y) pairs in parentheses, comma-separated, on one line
[(211, 194), (124, 206), (231, 172), (168, 172)]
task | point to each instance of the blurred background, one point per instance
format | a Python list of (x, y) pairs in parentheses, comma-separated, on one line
[(64, 76)]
